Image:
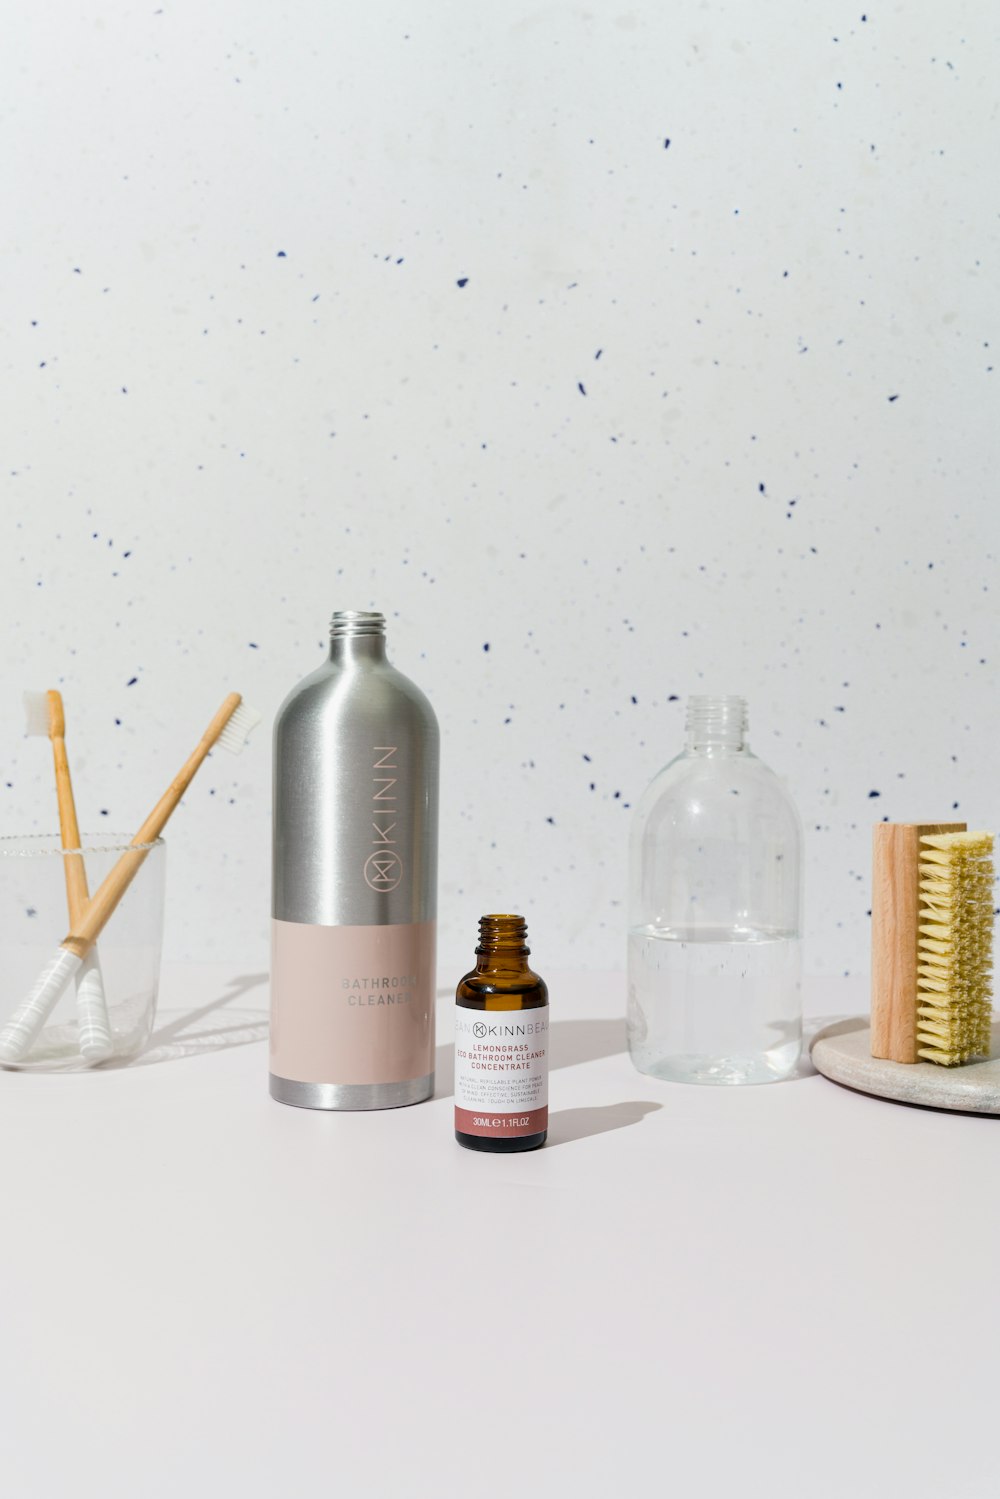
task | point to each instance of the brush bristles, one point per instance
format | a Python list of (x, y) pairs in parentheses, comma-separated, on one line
[(36, 710), (955, 947), (238, 729)]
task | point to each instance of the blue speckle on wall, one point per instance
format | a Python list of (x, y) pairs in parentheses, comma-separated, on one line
[(462, 281)]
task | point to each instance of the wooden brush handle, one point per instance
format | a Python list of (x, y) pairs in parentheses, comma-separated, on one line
[(77, 894), (86, 932), (157, 819)]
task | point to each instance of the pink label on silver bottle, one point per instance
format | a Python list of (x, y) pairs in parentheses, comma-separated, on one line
[(352, 1004)]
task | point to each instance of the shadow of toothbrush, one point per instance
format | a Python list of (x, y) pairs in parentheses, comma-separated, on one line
[(177, 1039)]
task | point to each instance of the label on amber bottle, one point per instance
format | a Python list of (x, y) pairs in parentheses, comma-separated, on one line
[(501, 1072)]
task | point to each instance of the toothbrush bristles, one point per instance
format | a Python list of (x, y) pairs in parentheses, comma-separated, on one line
[(237, 731), (36, 711), (954, 947)]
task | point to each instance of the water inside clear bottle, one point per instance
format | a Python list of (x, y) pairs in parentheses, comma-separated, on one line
[(714, 1005)]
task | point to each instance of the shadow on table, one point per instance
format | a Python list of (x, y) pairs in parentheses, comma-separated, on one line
[(579, 1124), (185, 1035), (571, 1042), (811, 1027)]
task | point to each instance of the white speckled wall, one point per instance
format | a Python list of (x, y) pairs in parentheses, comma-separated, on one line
[(616, 352)]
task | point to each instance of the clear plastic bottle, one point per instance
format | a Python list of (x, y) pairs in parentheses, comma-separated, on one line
[(715, 902)]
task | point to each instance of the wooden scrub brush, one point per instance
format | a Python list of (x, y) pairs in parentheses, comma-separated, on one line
[(932, 934)]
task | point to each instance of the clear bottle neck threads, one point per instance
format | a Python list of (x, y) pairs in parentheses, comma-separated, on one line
[(503, 943), (716, 724), (357, 635)]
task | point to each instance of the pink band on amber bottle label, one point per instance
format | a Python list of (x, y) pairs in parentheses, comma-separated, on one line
[(352, 1004), (501, 1126)]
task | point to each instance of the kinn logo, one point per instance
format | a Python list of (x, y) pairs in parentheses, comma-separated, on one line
[(384, 868)]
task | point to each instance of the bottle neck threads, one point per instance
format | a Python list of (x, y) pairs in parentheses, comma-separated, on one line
[(716, 723), (356, 635), (503, 942)]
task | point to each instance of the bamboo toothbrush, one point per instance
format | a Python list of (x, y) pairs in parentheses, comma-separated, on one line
[(229, 728), (932, 932), (46, 716)]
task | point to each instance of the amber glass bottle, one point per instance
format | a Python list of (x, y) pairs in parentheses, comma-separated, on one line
[(502, 1044)]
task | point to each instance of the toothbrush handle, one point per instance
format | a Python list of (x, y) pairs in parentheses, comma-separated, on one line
[(84, 933), (92, 1022), (77, 893), (18, 1035), (157, 819)]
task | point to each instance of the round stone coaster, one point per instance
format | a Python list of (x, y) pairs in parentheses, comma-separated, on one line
[(842, 1052)]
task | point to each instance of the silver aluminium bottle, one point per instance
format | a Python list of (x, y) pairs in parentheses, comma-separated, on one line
[(354, 888)]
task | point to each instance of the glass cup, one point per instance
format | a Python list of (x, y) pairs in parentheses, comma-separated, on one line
[(34, 920)]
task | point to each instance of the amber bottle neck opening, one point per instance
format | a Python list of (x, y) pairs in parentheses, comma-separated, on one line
[(503, 943)]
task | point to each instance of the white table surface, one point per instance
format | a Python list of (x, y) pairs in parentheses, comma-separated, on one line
[(787, 1290)]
